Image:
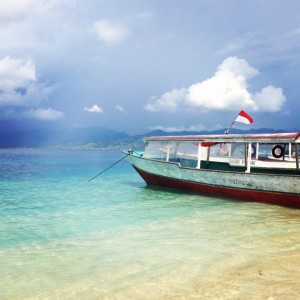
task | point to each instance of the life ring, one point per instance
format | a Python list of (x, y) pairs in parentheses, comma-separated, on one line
[(224, 149), (278, 151)]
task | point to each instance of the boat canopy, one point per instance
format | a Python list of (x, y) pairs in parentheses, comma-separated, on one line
[(293, 137)]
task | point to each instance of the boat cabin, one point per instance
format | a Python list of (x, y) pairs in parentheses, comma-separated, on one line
[(252, 153)]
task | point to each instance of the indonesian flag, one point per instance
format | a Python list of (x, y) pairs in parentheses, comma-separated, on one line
[(243, 117)]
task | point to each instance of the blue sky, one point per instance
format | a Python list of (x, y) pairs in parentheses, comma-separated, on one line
[(140, 65)]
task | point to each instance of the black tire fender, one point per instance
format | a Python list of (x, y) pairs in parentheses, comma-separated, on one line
[(278, 151)]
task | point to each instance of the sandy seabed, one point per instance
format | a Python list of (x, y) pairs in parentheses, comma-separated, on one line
[(268, 277)]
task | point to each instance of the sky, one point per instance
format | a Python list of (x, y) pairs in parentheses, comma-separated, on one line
[(138, 66)]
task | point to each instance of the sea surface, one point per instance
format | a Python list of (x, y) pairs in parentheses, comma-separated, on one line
[(63, 237)]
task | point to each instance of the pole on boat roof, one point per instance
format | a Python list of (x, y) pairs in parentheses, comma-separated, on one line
[(129, 152), (226, 131), (297, 156), (199, 156), (249, 153)]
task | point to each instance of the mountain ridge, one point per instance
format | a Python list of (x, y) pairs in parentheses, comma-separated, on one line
[(97, 137)]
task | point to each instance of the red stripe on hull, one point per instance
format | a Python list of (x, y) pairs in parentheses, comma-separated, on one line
[(290, 200)]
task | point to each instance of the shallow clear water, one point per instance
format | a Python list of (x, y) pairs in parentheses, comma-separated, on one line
[(62, 237)]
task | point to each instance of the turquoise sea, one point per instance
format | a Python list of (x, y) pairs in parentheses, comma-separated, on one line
[(62, 237)]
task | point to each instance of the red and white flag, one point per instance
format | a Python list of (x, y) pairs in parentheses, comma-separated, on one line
[(243, 117)]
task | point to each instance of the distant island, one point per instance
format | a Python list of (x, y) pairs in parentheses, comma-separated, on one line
[(93, 138)]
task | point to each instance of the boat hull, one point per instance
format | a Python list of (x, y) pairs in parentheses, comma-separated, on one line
[(265, 188)]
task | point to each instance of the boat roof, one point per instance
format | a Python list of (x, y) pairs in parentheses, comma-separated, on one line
[(293, 137)]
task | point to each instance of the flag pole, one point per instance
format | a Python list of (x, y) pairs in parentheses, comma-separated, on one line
[(226, 131)]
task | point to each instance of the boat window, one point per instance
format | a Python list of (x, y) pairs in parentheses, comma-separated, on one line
[(265, 151), (220, 150), (156, 150), (260, 152), (238, 150), (293, 151), (278, 152), (187, 150), (275, 152), (186, 154)]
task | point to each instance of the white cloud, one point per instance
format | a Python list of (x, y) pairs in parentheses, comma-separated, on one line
[(15, 10), (19, 87), (44, 114), (18, 83), (198, 127), (110, 33), (18, 10), (16, 73), (120, 108), (93, 109), (226, 90), (269, 98), (168, 101)]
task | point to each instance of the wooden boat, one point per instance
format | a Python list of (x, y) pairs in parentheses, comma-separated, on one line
[(256, 167)]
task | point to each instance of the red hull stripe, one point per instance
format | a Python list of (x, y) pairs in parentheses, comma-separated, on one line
[(284, 199)]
